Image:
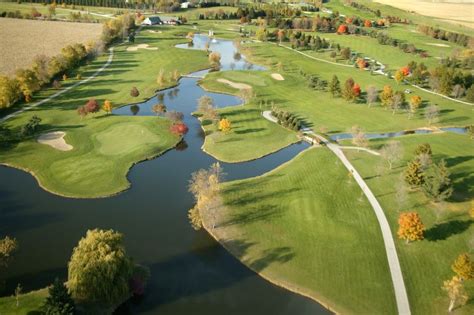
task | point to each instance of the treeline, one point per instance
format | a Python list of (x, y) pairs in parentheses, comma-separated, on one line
[(389, 18), (50, 70), (287, 120), (452, 37)]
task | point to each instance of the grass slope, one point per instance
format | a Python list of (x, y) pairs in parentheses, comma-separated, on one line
[(427, 264), (104, 146), (305, 227), (30, 303)]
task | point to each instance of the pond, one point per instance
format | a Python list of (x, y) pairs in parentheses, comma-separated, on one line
[(348, 135), (191, 272)]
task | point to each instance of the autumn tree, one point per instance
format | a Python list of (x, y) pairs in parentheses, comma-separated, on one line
[(432, 114), (361, 63), (415, 102), (372, 95), (399, 76), (342, 29), (204, 185), (10, 91), (59, 300), (410, 227), (437, 184), (215, 59), (134, 92), (246, 94), (207, 108), (179, 128), (386, 96), (28, 83), (335, 86), (225, 125), (100, 269), (8, 246), (281, 35), (463, 266), (456, 292), (345, 53), (413, 174), (392, 152), (358, 137), (348, 91), (159, 108), (161, 79), (398, 101), (423, 148), (107, 107)]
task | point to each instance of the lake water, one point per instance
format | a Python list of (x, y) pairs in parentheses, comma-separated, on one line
[(190, 272)]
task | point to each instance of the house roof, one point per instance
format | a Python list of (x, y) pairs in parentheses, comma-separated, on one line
[(154, 19)]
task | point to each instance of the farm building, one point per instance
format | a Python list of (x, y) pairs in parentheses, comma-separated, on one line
[(157, 20)]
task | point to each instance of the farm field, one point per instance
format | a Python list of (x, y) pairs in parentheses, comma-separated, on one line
[(261, 207), (25, 39)]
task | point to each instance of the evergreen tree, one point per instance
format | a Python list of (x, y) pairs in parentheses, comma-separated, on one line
[(413, 174), (335, 86), (437, 184), (59, 301)]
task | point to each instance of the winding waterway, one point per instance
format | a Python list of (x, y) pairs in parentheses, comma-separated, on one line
[(191, 273)]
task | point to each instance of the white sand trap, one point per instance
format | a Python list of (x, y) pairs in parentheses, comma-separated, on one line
[(56, 140), (239, 86), (141, 46), (277, 77), (437, 45), (155, 32)]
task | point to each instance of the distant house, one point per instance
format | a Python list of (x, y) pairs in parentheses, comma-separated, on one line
[(152, 20), (186, 5), (159, 20)]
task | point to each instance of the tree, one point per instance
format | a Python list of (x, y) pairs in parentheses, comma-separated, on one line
[(456, 292), (134, 92), (413, 174), (358, 137), (31, 126), (335, 86), (346, 53), (100, 270), (10, 91), (356, 90), (8, 246), (410, 227), (28, 83), (107, 107), (432, 114), (342, 29), (159, 108), (246, 94), (398, 101), (423, 148), (92, 106), (470, 94), (174, 116), (160, 79), (437, 184), (179, 128), (399, 76), (415, 102), (195, 218), (392, 152), (206, 108), (281, 35), (367, 23), (348, 91), (361, 63), (225, 125), (215, 59), (59, 300), (386, 95), (372, 95), (463, 267), (18, 291)]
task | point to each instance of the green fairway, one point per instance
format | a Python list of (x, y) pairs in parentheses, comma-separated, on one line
[(427, 264), (105, 147), (29, 303), (305, 226)]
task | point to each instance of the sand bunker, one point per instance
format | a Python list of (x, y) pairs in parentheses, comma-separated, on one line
[(155, 32), (141, 46), (277, 77), (239, 86), (56, 140), (437, 44)]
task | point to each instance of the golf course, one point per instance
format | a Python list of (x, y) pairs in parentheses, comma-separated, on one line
[(253, 158)]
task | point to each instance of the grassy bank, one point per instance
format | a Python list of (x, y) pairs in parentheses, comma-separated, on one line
[(305, 226), (29, 303), (105, 147)]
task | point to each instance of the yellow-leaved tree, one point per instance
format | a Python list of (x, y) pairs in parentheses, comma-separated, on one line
[(455, 291), (225, 125), (107, 107), (463, 267), (410, 226)]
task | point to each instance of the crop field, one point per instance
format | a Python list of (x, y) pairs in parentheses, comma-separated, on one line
[(25, 39)]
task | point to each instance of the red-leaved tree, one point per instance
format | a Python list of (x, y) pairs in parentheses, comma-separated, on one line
[(179, 128), (342, 29)]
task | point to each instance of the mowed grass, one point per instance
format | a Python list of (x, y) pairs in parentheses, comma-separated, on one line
[(449, 229), (21, 44), (105, 146), (29, 303), (249, 129), (306, 227)]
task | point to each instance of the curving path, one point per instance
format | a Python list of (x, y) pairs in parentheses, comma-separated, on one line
[(390, 249), (28, 107)]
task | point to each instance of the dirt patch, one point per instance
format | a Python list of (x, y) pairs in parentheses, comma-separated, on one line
[(22, 40), (437, 45), (141, 46), (277, 77), (235, 85), (56, 140)]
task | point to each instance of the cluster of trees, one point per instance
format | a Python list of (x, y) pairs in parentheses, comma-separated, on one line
[(286, 119), (433, 178), (207, 109), (384, 39), (463, 268), (118, 28), (163, 80), (299, 39), (363, 7), (204, 185), (453, 37), (351, 91), (218, 15)]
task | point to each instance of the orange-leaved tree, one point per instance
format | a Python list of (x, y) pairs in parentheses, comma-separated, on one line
[(225, 125), (410, 226), (107, 107)]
